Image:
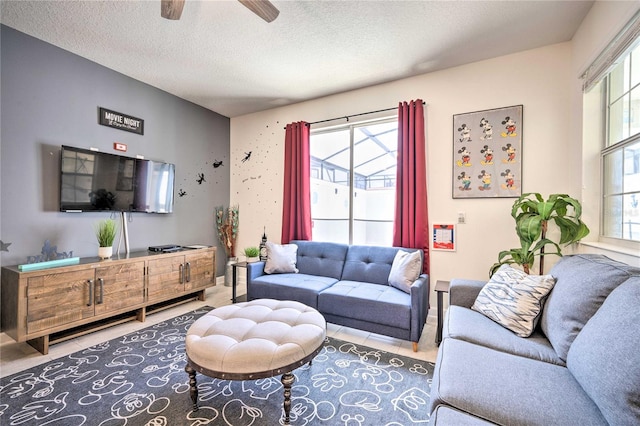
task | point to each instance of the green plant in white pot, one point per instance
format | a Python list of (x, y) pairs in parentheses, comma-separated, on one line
[(533, 214), (106, 234), (252, 254)]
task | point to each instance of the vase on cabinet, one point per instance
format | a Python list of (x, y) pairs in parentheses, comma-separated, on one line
[(228, 271)]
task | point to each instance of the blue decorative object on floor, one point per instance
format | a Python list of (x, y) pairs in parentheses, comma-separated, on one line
[(139, 379)]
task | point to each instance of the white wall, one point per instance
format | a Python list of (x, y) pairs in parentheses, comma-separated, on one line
[(539, 79)]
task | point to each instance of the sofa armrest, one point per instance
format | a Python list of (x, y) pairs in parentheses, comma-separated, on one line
[(254, 270), (464, 292), (419, 306)]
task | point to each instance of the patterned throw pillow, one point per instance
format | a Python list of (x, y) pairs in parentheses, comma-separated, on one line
[(281, 258), (514, 299)]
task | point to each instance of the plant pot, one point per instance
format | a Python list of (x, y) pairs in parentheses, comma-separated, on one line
[(228, 272), (252, 259), (105, 252)]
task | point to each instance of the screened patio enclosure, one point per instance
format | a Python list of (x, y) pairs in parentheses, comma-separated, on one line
[(353, 176)]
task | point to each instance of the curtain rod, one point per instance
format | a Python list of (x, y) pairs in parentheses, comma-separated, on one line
[(346, 117)]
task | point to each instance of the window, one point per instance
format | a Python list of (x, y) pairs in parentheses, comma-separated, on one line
[(621, 152), (353, 174)]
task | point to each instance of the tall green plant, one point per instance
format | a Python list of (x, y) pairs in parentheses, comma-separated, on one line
[(106, 232), (533, 215)]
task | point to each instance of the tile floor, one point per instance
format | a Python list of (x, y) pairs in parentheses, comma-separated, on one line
[(15, 357)]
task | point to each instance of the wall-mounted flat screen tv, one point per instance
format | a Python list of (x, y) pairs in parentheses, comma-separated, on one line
[(99, 181)]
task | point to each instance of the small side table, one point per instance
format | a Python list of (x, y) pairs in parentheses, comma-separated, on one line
[(441, 287), (235, 266)]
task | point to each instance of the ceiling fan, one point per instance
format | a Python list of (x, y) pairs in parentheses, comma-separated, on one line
[(172, 9)]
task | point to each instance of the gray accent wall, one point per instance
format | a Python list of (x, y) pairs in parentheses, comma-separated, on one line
[(50, 97)]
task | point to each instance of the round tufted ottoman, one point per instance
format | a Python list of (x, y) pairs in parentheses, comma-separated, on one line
[(254, 340)]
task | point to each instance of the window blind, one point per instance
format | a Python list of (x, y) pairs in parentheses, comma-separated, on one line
[(616, 50)]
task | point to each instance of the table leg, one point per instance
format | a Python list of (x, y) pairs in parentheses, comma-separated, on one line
[(233, 284), (287, 380), (193, 386), (439, 328)]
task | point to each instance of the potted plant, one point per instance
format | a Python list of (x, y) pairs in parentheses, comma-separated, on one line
[(106, 234), (252, 254), (533, 215)]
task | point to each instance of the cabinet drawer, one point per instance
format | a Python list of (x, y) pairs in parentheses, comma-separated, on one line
[(58, 298), (165, 277), (201, 270), (119, 286)]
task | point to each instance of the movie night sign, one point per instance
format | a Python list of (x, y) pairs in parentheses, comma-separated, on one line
[(121, 121)]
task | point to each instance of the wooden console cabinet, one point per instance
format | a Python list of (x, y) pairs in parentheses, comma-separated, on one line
[(51, 305)]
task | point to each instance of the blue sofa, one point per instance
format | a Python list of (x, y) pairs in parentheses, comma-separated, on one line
[(348, 284), (581, 365)]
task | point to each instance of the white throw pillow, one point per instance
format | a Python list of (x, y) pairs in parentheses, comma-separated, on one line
[(405, 270), (514, 299), (281, 258)]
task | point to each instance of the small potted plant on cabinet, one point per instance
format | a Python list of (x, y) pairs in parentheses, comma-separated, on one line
[(252, 254), (106, 234)]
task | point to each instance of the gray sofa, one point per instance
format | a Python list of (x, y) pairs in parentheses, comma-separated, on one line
[(348, 284), (581, 366)]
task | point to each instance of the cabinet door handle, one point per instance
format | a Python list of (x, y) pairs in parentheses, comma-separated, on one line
[(188, 271), (181, 273), (101, 299), (90, 292)]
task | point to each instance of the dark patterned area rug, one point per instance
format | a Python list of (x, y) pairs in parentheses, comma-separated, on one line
[(139, 379)]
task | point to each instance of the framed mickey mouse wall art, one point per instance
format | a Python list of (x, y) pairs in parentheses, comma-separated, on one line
[(487, 153)]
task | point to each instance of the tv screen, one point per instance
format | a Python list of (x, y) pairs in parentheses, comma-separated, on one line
[(98, 181)]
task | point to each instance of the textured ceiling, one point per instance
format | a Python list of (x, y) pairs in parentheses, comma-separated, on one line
[(223, 57)]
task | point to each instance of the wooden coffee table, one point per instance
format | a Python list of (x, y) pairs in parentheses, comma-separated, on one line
[(254, 340)]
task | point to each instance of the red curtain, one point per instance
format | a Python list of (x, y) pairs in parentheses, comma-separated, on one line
[(296, 209), (410, 227)]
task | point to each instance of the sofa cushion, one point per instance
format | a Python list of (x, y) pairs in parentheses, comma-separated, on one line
[(583, 282), (323, 259), (374, 303), (369, 264), (507, 389), (281, 258), (445, 415), (299, 287), (471, 326), (605, 356), (405, 269), (514, 299)]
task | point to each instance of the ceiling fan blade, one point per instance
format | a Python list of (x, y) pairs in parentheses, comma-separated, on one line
[(171, 9), (262, 8)]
